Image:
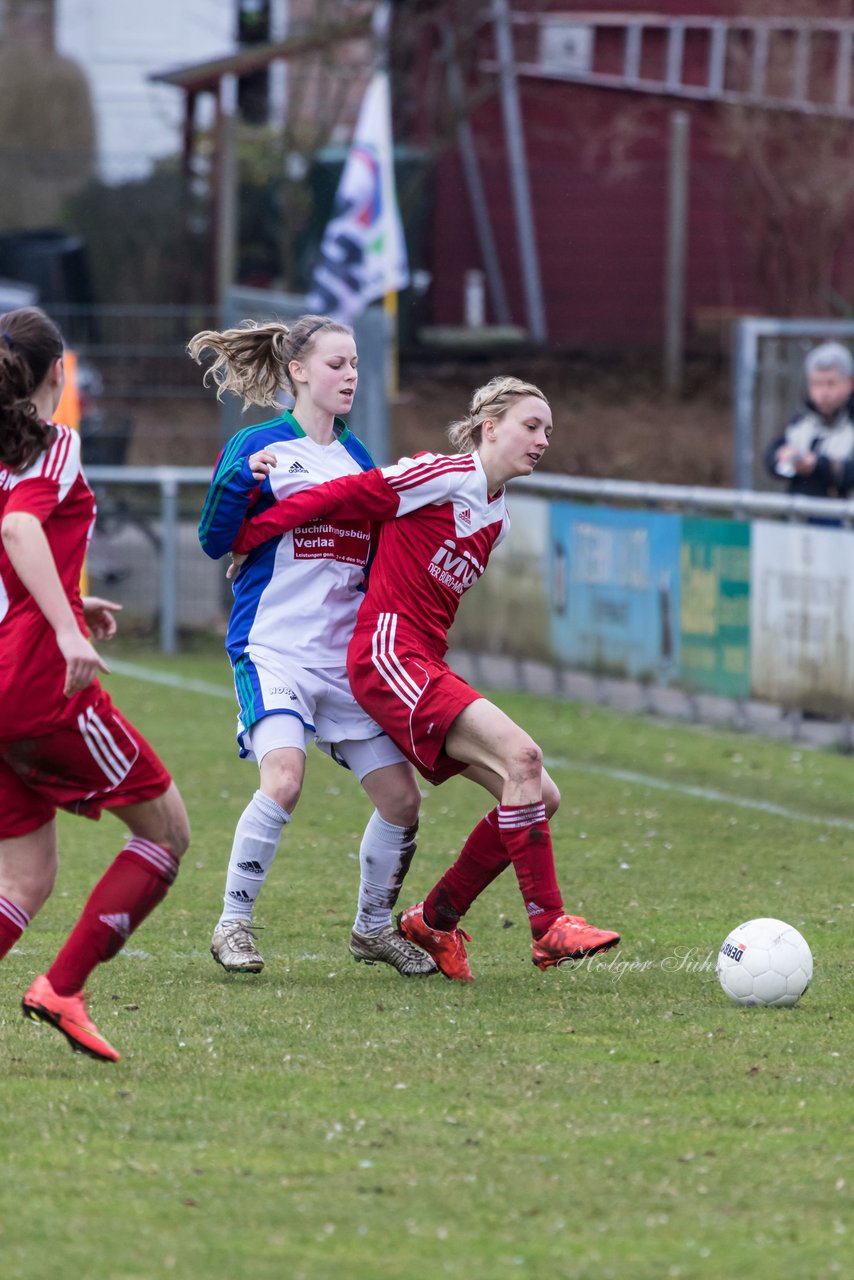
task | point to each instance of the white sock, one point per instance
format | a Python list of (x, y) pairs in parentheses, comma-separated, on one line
[(256, 840), (384, 859)]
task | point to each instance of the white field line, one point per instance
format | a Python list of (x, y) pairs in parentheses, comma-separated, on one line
[(172, 681), (699, 793)]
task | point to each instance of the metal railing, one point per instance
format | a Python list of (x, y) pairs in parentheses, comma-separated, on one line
[(740, 503), (167, 482)]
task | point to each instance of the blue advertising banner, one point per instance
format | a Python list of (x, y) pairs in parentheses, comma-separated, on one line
[(615, 594)]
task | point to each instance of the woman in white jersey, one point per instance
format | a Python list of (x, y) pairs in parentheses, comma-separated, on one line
[(442, 516), (290, 625)]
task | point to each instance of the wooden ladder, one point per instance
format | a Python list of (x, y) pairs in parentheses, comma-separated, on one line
[(787, 64)]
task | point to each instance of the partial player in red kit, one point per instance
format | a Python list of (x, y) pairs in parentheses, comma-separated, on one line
[(62, 742), (441, 516)]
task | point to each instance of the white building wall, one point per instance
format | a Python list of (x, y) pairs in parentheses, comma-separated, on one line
[(118, 44)]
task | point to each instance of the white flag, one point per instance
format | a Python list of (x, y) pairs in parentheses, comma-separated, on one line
[(363, 252)]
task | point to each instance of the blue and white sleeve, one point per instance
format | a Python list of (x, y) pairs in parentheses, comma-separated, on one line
[(226, 504)]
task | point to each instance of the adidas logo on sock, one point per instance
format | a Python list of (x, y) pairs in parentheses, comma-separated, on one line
[(296, 467), (120, 923), (254, 867), (240, 895)]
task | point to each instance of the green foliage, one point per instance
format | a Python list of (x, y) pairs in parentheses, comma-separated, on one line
[(327, 1119), (275, 204)]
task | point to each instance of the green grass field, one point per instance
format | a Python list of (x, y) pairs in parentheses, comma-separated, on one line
[(326, 1119)]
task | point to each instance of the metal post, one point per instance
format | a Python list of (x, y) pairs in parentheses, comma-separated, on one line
[(227, 183), (675, 55), (632, 53), (168, 562), (369, 417), (744, 378), (519, 180), (759, 71), (717, 58), (842, 93), (675, 254), (477, 196)]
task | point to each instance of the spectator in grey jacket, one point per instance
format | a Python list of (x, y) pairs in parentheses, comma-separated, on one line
[(816, 451)]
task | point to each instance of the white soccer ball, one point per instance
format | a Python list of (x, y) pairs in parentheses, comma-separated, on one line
[(766, 962)]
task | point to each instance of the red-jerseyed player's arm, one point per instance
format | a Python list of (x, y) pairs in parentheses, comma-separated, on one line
[(365, 496), (28, 549)]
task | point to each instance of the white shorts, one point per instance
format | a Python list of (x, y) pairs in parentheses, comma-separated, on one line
[(285, 705)]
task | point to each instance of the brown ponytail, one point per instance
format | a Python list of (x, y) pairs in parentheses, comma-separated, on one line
[(29, 344)]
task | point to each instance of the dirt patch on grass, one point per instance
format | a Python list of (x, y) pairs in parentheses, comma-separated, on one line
[(612, 419)]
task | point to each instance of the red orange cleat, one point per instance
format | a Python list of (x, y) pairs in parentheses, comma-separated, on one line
[(68, 1014), (446, 946), (571, 938)]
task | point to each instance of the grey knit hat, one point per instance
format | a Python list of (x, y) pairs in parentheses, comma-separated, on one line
[(830, 355)]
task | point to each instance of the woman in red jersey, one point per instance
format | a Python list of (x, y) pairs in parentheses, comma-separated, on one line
[(62, 742), (441, 516)]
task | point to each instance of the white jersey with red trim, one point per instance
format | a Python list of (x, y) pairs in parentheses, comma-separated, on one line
[(439, 527), (32, 669)]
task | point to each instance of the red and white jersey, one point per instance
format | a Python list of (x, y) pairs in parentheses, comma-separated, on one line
[(32, 669), (439, 528)]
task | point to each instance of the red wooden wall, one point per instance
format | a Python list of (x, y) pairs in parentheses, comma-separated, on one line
[(598, 175)]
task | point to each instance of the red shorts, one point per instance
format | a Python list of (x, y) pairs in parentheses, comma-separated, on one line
[(413, 697), (98, 762)]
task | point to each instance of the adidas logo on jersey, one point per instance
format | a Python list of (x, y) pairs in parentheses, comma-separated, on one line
[(465, 515), (297, 467)]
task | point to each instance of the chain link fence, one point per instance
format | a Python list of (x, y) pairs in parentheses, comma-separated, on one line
[(143, 399)]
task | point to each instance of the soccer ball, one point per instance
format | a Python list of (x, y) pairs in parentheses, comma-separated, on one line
[(764, 962)]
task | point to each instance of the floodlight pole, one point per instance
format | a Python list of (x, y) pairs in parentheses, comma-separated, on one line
[(676, 250), (477, 195), (225, 265), (519, 177), (380, 24)]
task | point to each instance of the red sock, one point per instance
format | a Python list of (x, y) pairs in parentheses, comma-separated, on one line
[(127, 892), (13, 922), (526, 837), (481, 859)]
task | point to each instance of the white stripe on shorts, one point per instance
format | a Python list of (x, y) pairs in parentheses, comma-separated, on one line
[(103, 748), (388, 664)]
